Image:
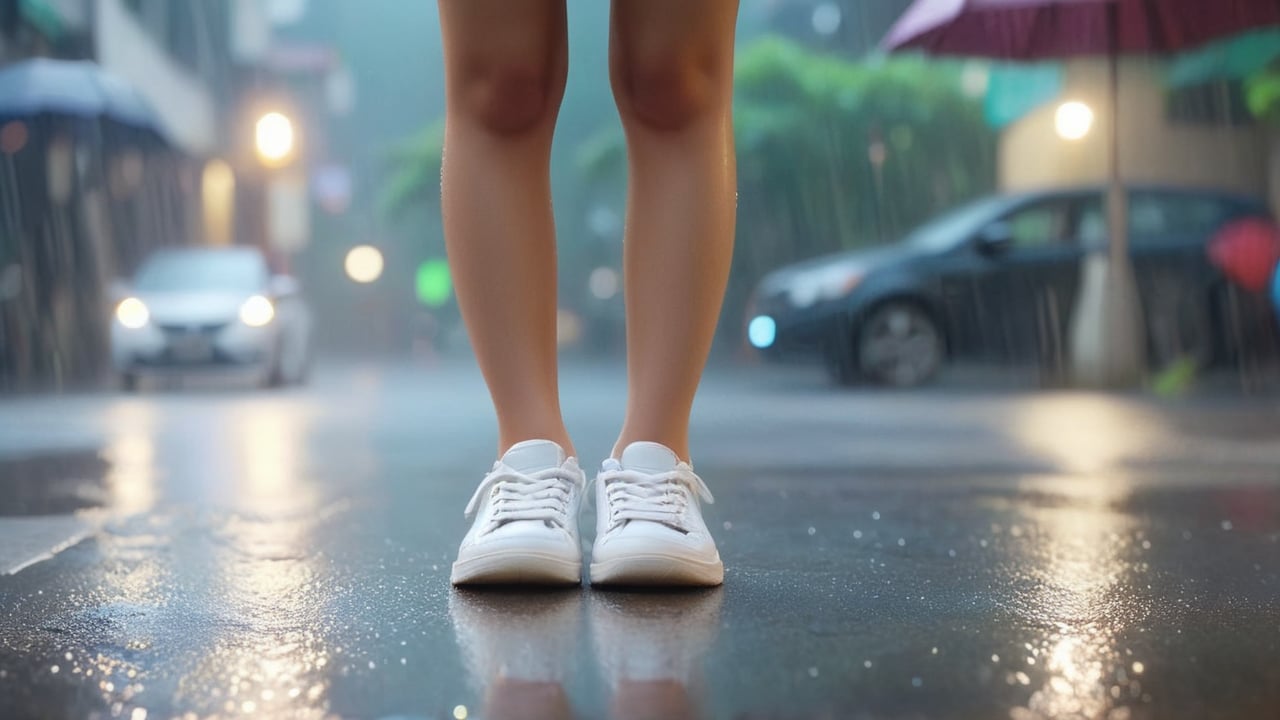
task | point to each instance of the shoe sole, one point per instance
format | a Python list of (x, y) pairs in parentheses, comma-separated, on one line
[(657, 570), (516, 568)]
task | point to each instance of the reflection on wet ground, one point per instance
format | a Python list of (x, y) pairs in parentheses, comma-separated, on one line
[(933, 554), (51, 483)]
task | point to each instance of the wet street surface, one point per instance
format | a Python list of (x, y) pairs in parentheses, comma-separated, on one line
[(947, 553)]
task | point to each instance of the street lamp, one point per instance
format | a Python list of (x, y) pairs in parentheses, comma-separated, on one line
[(1073, 120), (274, 138)]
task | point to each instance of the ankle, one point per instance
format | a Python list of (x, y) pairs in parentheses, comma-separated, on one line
[(677, 445), (506, 442)]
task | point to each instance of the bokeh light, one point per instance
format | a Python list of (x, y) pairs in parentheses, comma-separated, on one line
[(257, 311), (364, 263), (132, 313), (274, 138), (432, 285), (604, 283), (762, 331), (1073, 120)]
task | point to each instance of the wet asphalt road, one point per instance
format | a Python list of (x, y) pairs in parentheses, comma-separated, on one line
[(949, 553)]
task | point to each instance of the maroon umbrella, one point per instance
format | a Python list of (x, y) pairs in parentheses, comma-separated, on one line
[(1044, 29)]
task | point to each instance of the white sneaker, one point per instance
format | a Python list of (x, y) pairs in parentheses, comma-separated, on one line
[(649, 527), (526, 520)]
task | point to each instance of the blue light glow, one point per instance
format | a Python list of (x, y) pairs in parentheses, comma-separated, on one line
[(762, 331)]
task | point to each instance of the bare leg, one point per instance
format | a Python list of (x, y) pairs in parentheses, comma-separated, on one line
[(671, 63), (505, 67)]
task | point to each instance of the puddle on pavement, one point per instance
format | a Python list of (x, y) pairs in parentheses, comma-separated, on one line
[(52, 483)]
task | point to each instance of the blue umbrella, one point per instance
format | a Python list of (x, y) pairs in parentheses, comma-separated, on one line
[(76, 88)]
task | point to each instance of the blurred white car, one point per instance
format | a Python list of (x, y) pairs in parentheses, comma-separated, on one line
[(198, 310)]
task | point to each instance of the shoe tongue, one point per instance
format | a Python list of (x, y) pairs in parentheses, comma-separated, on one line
[(649, 457), (533, 455)]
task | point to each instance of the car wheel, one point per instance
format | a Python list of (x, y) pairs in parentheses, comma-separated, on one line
[(899, 345)]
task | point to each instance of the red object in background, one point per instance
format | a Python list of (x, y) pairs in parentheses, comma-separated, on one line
[(1247, 252)]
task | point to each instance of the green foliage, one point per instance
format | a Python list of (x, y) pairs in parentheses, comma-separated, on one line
[(415, 172), (1262, 93)]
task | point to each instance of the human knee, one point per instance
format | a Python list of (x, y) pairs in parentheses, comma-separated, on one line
[(666, 93), (508, 98)]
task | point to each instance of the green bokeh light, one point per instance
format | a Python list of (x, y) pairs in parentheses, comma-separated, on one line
[(433, 286)]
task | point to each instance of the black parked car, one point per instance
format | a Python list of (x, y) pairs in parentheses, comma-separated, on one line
[(996, 279)]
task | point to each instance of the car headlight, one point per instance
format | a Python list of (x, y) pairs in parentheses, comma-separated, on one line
[(823, 285), (257, 311), (762, 331), (132, 313)]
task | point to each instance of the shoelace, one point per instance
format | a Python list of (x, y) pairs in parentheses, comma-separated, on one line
[(658, 497), (543, 495)]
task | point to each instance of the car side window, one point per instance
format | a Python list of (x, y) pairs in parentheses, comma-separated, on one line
[(1043, 224), (1155, 218)]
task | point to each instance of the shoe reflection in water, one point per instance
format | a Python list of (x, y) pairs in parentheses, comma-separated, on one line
[(650, 647), (518, 647)]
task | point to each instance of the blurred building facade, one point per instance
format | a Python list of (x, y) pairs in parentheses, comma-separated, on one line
[(1199, 136)]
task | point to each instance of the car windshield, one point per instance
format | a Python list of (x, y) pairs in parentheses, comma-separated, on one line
[(953, 226), (202, 272)]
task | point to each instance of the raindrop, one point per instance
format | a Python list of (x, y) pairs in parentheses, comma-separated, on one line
[(1023, 678), (1226, 525), (1138, 668), (138, 714), (934, 651), (902, 542), (1146, 544), (68, 656), (951, 553), (875, 515), (866, 663), (54, 669), (857, 534), (404, 661), (995, 658), (813, 530), (983, 542), (460, 712), (249, 706), (916, 682), (813, 672), (373, 665), (728, 525), (1186, 534)]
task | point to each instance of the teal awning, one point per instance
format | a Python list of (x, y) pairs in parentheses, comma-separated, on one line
[(1233, 59), (44, 17), (1013, 90)]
